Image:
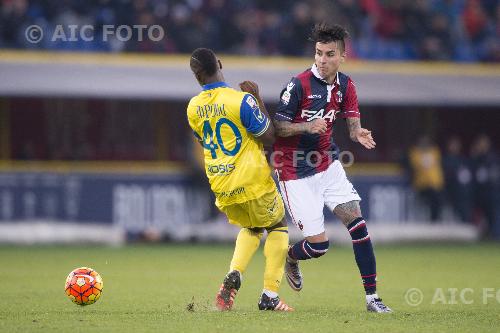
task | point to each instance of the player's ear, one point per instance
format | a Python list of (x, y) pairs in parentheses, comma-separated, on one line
[(343, 56), (220, 63), (199, 77)]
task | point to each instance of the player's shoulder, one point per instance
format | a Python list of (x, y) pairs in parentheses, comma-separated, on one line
[(344, 78), (193, 102), (296, 82), (345, 81), (234, 95), (305, 75)]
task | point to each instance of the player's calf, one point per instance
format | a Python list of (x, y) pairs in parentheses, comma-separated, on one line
[(365, 259), (364, 255)]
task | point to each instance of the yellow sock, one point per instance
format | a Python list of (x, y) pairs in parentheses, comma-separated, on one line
[(247, 243), (275, 252)]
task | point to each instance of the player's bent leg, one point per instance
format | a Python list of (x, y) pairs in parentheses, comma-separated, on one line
[(275, 251), (311, 247), (247, 243)]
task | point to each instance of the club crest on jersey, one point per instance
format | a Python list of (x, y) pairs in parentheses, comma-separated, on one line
[(338, 96), (329, 116)]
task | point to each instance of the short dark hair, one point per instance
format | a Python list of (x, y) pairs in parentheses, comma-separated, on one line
[(203, 62), (326, 33)]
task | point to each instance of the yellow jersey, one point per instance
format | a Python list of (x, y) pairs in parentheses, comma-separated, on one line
[(227, 123), (427, 170)]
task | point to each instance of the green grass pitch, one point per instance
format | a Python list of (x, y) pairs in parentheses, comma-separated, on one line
[(171, 288)]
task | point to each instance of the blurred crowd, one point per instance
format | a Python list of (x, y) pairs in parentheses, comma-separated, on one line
[(467, 182), (458, 30)]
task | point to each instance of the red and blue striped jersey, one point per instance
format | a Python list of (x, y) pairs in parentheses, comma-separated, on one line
[(305, 98)]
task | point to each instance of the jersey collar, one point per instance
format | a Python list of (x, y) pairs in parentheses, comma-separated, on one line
[(314, 70), (214, 85)]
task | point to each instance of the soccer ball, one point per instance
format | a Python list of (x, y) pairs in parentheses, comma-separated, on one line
[(83, 286)]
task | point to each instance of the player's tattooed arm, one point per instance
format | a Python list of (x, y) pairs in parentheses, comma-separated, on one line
[(359, 134), (348, 212), (286, 128), (354, 124)]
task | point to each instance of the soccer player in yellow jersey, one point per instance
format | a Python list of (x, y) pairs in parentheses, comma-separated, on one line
[(232, 126)]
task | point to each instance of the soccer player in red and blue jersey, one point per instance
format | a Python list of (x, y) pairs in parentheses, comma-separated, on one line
[(305, 157)]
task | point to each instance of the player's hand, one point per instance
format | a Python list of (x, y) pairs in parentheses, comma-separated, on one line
[(317, 126), (250, 87), (364, 137)]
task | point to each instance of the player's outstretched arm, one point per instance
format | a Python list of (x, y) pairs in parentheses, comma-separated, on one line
[(359, 134), (286, 128)]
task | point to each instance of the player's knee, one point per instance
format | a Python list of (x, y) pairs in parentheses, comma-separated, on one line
[(317, 250)]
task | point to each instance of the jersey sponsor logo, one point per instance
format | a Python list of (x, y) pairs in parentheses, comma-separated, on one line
[(329, 116), (220, 169), (314, 96)]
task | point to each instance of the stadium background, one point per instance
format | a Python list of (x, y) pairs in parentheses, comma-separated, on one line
[(95, 149), (95, 131)]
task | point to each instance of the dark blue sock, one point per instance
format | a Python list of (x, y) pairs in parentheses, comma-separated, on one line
[(304, 250), (363, 252)]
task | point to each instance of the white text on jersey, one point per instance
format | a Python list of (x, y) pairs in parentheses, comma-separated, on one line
[(310, 115)]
